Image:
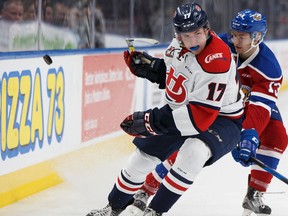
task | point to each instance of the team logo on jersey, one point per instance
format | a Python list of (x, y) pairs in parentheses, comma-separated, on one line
[(214, 56), (175, 89), (170, 52)]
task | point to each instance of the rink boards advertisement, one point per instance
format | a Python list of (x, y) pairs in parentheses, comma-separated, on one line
[(50, 110), (36, 105), (106, 94)]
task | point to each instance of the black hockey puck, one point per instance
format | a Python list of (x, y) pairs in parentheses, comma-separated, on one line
[(47, 59)]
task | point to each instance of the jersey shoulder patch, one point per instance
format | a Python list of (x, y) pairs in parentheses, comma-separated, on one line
[(216, 57), (173, 47)]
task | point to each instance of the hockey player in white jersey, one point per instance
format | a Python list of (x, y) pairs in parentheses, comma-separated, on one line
[(261, 78), (202, 118)]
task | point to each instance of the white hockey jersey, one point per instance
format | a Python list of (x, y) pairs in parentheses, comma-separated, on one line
[(200, 88)]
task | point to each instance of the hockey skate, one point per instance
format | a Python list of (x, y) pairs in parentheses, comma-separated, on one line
[(106, 211), (150, 212), (253, 203), (138, 206)]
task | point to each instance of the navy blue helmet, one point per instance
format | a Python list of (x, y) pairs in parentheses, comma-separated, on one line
[(189, 17)]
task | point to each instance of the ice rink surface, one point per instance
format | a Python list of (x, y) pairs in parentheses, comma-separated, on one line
[(89, 175)]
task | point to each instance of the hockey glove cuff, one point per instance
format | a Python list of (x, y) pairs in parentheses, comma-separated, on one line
[(144, 124), (247, 147)]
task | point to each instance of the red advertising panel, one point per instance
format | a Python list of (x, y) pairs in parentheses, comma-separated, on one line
[(107, 94)]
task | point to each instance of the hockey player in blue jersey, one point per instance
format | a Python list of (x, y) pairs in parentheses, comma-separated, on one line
[(261, 79), (202, 118), (264, 134)]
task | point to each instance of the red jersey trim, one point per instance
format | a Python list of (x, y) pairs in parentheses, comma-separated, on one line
[(214, 60), (199, 113)]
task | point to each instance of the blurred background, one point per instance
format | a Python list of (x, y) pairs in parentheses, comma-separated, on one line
[(87, 24)]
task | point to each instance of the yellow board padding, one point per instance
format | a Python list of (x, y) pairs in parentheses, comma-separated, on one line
[(284, 86), (25, 182)]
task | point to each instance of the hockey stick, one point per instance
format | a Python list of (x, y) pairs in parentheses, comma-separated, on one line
[(269, 169), (130, 42)]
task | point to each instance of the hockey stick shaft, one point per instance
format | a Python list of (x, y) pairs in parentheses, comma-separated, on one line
[(269, 169), (130, 42)]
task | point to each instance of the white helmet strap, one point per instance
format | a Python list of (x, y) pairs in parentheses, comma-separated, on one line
[(254, 37)]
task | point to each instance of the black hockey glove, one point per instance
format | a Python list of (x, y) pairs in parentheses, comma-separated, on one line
[(143, 65), (144, 124)]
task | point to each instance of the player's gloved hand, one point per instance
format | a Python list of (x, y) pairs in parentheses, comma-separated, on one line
[(247, 147), (144, 124), (145, 66)]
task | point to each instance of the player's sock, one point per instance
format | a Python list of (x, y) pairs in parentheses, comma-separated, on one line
[(171, 189)]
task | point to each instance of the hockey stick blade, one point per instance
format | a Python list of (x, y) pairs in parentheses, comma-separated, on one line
[(130, 42), (145, 40), (269, 169)]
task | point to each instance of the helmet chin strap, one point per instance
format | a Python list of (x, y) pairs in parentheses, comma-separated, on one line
[(253, 45)]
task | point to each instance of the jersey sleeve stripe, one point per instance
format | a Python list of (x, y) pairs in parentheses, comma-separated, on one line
[(263, 97), (234, 115), (264, 75), (264, 101)]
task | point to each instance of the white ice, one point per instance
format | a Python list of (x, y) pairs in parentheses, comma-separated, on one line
[(89, 175)]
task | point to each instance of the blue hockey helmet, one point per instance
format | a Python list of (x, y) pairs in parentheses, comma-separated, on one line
[(251, 22), (189, 17)]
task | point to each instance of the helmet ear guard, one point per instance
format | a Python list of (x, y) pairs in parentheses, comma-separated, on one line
[(258, 36)]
